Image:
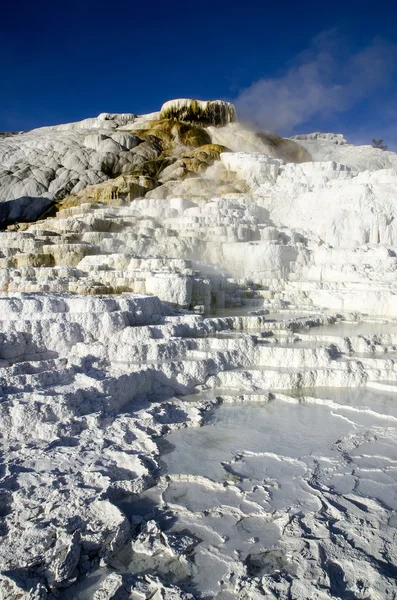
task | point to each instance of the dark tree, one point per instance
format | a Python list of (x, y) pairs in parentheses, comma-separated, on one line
[(378, 144)]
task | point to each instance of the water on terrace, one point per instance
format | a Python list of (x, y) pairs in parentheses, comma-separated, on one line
[(230, 483)]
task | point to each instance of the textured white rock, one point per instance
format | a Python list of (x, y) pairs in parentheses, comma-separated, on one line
[(325, 147), (91, 378), (360, 208), (102, 121), (76, 372), (51, 162), (255, 168), (334, 138)]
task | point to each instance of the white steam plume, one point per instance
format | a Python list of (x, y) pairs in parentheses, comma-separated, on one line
[(324, 80)]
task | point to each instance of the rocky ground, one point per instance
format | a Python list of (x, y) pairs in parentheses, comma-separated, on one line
[(175, 271)]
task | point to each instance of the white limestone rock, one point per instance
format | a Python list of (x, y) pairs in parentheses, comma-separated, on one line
[(126, 140), (360, 208), (77, 376), (326, 147), (334, 138), (254, 168), (52, 162), (142, 588), (102, 121), (95, 368)]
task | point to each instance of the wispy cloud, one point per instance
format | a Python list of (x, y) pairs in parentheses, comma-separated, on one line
[(325, 80)]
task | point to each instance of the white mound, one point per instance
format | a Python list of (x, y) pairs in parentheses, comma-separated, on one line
[(293, 496)]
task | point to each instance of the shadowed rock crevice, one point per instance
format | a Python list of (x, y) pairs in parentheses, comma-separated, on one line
[(26, 209)]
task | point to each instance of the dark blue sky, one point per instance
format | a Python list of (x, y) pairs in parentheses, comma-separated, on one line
[(64, 61)]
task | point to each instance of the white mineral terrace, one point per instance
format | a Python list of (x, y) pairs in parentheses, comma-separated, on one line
[(288, 488), (199, 387)]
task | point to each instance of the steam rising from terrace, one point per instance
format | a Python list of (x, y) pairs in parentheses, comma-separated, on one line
[(324, 81)]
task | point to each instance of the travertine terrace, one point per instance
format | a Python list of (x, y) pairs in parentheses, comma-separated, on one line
[(177, 270)]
